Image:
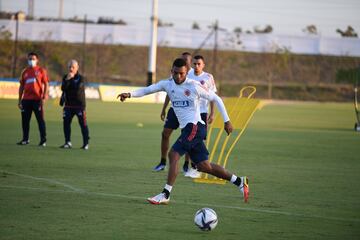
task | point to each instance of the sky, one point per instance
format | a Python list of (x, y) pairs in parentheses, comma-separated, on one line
[(287, 17)]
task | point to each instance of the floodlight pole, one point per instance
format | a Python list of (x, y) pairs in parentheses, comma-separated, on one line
[(15, 45), (31, 9), (216, 28), (61, 9), (84, 47), (153, 45)]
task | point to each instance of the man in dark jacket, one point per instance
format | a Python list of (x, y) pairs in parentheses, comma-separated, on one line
[(73, 99)]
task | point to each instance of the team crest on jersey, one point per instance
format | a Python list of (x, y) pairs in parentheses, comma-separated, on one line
[(187, 92), (202, 82), (37, 73)]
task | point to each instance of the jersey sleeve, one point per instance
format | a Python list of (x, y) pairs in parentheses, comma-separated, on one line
[(157, 87), (21, 80), (45, 78), (211, 96), (212, 83)]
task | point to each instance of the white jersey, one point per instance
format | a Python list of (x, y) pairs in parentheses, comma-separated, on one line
[(207, 80), (191, 71), (185, 99)]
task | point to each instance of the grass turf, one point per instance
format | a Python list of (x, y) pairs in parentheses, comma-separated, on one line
[(302, 160)]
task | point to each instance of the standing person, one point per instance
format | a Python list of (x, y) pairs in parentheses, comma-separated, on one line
[(207, 80), (33, 92), (171, 123), (73, 87), (185, 94)]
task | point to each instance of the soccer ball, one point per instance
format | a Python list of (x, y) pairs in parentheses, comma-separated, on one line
[(206, 219)]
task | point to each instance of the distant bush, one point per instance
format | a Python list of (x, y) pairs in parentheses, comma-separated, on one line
[(349, 76)]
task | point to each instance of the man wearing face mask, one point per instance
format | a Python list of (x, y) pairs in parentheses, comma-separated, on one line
[(33, 92), (73, 87)]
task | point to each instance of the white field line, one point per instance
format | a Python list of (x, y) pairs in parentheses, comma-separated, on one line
[(48, 180), (81, 191)]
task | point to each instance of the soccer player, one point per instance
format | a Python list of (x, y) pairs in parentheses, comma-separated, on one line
[(185, 94), (33, 92), (73, 87), (171, 124), (207, 80)]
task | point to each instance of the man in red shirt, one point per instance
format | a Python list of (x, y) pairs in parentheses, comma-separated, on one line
[(32, 95)]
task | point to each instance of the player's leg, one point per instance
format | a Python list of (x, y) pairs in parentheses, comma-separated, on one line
[(171, 123), (193, 172), (68, 114), (220, 172), (81, 115), (26, 112), (38, 109), (164, 196), (200, 155), (165, 142), (174, 157), (178, 149)]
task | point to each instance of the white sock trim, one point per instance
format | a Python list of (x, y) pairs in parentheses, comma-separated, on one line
[(168, 187)]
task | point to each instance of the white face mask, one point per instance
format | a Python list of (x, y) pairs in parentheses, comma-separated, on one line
[(32, 63)]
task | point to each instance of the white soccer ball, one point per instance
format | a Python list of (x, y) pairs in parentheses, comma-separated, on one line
[(206, 219)]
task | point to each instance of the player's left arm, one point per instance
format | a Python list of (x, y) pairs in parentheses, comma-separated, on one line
[(212, 86), (211, 96), (46, 86)]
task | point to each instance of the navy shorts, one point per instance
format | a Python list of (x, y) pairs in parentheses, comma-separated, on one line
[(171, 120), (191, 141)]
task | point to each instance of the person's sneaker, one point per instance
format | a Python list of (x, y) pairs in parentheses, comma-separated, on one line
[(42, 143), (193, 173), (159, 199), (85, 147), (159, 167), (23, 142), (244, 188), (66, 145)]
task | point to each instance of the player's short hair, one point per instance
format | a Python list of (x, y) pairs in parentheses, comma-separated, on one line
[(197, 57), (33, 54), (186, 54), (179, 62), (73, 61)]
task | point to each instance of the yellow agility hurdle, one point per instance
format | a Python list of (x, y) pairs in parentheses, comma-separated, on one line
[(240, 111)]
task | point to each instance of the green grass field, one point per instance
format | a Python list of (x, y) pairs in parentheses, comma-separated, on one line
[(303, 161)]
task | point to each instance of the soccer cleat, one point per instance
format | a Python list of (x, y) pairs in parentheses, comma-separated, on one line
[(42, 143), (193, 173), (23, 142), (66, 145), (159, 167), (244, 188), (159, 199), (85, 147)]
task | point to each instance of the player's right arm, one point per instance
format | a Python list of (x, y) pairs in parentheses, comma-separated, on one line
[(163, 111), (21, 90), (157, 87), (211, 96)]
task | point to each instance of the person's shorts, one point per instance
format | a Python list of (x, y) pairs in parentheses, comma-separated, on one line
[(191, 141), (171, 120)]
